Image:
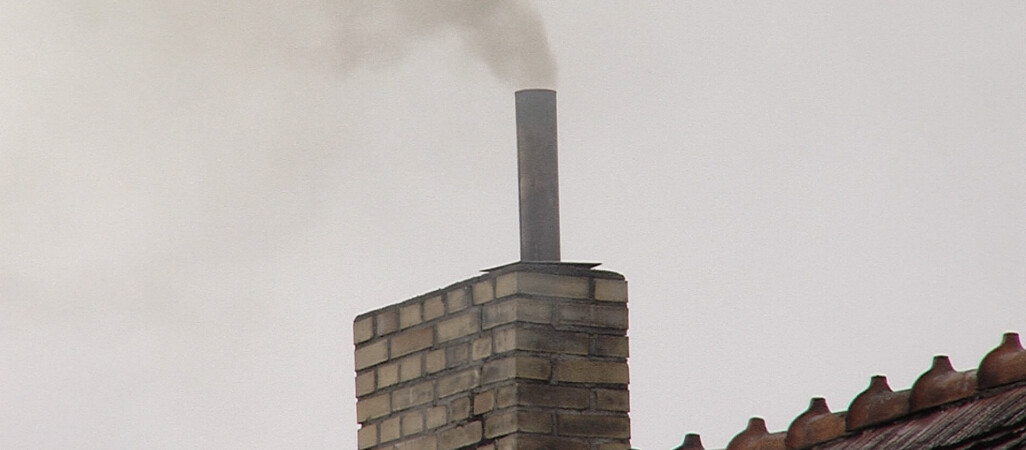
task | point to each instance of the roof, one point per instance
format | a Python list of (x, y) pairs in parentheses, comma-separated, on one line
[(983, 408)]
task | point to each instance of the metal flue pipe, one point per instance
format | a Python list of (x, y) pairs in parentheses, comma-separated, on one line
[(537, 164)]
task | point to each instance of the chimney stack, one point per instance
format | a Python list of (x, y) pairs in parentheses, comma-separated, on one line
[(538, 168), (529, 355)]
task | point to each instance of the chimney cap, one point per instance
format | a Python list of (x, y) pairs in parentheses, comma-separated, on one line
[(554, 268)]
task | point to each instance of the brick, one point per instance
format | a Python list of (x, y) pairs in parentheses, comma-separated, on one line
[(459, 382), (615, 446), (553, 285), (388, 375), (515, 367), (506, 443), (434, 361), (610, 346), (459, 409), (541, 284), (511, 422), (484, 402), (592, 315), (506, 396), (481, 348), (410, 315), (387, 321), (460, 436), (504, 340), (610, 290), (413, 423), (503, 369), (410, 368), (433, 308), (612, 316), (459, 326), (371, 408), (591, 425), (457, 355), (579, 371), (552, 396), (363, 330), (483, 292), (389, 430), (506, 285), (365, 383), (422, 443), (517, 309), (534, 421), (371, 354), (500, 424), (533, 368), (436, 417), (367, 436), (410, 341), (499, 313), (538, 442), (418, 394), (551, 341), (612, 400), (457, 300), (533, 310)]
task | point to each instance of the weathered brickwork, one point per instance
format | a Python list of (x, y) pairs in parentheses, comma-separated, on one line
[(528, 356)]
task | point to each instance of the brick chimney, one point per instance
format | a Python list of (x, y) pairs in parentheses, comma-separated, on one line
[(532, 355)]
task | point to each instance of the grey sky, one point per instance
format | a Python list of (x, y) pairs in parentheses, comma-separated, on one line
[(197, 198)]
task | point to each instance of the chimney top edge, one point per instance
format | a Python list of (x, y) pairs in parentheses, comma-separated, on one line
[(555, 268)]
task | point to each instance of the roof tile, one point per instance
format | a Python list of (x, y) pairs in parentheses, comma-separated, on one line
[(941, 384), (691, 442), (944, 409), (877, 404), (1003, 365), (817, 424), (757, 437)]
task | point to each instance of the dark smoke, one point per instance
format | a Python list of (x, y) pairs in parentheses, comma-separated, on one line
[(170, 178), (507, 36)]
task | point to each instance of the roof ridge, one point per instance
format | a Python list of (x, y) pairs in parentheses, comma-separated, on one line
[(878, 405)]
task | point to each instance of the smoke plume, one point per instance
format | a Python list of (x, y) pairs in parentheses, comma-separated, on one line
[(507, 36), (179, 188)]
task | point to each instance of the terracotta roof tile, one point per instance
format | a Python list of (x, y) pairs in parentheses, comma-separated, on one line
[(1003, 365), (941, 384), (877, 404), (691, 442), (944, 409), (757, 437), (817, 424), (994, 422)]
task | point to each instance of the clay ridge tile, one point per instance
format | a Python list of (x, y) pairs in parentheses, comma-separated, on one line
[(757, 437), (692, 441), (941, 384), (817, 424), (879, 405), (1003, 365)]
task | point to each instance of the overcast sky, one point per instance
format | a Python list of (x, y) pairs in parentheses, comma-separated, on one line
[(197, 198)]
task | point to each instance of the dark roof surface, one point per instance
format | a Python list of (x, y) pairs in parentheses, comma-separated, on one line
[(983, 408), (989, 422)]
